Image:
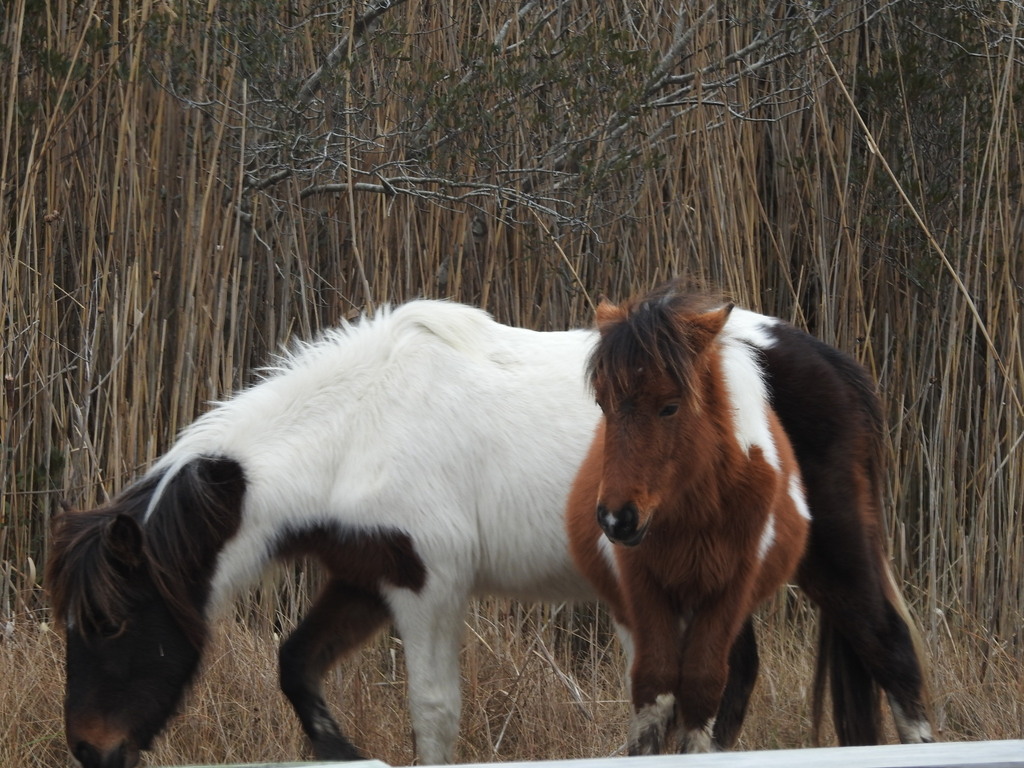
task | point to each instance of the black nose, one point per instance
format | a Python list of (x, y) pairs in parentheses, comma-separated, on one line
[(90, 756), (621, 526)]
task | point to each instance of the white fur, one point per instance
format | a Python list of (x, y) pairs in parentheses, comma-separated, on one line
[(744, 380), (655, 716), (752, 328), (796, 493), (697, 740), (425, 418), (767, 539), (433, 419), (607, 550), (910, 731)]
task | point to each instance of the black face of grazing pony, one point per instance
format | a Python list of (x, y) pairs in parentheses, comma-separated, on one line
[(132, 599)]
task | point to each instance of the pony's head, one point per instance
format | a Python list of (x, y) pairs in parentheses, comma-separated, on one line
[(132, 613), (128, 657), (650, 374)]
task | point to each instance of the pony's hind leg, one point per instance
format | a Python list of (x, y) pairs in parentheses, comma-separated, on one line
[(342, 619), (897, 667), (862, 631), (744, 664)]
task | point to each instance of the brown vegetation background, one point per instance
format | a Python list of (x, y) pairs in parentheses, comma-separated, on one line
[(186, 186)]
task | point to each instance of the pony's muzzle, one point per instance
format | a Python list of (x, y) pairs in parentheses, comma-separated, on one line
[(622, 526), (90, 756)]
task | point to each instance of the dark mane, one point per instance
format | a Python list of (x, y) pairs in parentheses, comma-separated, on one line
[(86, 587), (649, 333), (198, 511)]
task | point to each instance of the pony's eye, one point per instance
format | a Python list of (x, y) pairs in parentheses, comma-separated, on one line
[(109, 630), (668, 410)]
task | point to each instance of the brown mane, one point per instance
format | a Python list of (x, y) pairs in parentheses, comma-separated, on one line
[(647, 333)]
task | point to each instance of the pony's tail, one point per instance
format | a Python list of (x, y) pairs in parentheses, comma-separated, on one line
[(855, 696), (856, 710)]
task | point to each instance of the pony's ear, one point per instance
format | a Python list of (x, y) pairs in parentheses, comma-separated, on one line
[(122, 539), (710, 324), (61, 515), (607, 313)]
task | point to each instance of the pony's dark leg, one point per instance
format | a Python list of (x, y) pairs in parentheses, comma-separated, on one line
[(704, 672), (654, 676), (342, 619), (744, 664), (865, 639)]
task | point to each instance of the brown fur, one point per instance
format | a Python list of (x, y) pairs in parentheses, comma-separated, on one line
[(702, 499), (347, 613)]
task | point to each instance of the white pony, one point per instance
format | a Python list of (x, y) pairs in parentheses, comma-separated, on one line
[(424, 455)]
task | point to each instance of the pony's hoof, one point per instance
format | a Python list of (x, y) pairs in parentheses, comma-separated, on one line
[(697, 741), (337, 748)]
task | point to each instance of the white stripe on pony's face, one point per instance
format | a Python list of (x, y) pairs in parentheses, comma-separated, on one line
[(796, 493)]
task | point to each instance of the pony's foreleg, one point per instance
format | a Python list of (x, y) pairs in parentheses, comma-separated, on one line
[(430, 625), (342, 619), (653, 679), (704, 672)]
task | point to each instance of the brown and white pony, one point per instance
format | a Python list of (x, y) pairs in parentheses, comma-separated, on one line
[(425, 456), (692, 475)]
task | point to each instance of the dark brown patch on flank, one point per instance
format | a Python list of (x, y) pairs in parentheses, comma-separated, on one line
[(363, 558)]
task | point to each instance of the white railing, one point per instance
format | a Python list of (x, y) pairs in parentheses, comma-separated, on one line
[(962, 754)]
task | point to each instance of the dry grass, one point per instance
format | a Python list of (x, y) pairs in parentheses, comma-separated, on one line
[(867, 189), (534, 687)]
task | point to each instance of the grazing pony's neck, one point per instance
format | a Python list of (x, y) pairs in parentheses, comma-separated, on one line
[(199, 509)]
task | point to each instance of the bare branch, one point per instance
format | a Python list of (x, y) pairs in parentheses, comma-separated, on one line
[(460, 131), (341, 50)]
